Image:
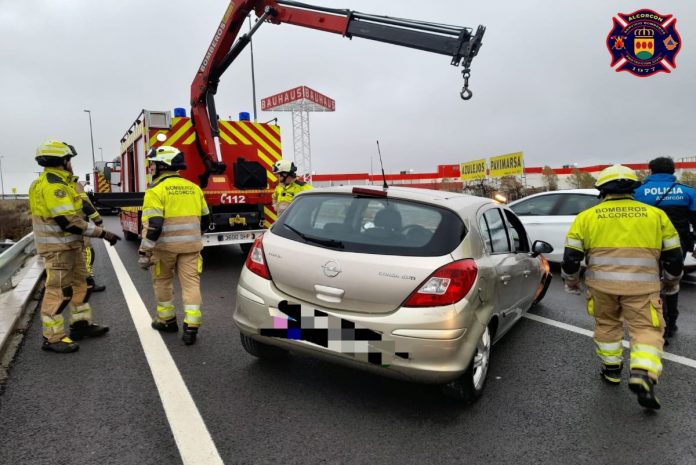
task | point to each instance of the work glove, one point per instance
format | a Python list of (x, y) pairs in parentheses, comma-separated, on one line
[(670, 289), (571, 282), (110, 237), (670, 283), (144, 261), (99, 222)]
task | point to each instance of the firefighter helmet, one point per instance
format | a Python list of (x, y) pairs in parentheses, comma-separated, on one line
[(54, 153), (169, 156), (284, 166), (617, 179)]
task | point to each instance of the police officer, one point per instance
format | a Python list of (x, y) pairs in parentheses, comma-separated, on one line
[(92, 214), (288, 185), (624, 242), (59, 228), (662, 190), (172, 240)]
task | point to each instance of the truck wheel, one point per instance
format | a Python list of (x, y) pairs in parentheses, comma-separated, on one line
[(261, 350), (469, 386), (129, 236)]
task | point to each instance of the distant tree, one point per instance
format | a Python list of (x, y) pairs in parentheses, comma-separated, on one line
[(688, 178), (581, 179), (642, 174), (550, 178), (480, 187), (512, 187)]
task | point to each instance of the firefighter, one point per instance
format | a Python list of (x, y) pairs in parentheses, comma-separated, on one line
[(624, 242), (288, 185), (172, 240), (678, 201), (90, 213), (59, 228)]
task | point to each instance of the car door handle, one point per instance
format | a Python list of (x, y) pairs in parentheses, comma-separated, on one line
[(526, 273), (505, 278)]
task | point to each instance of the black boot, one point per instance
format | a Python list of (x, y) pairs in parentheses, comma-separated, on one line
[(64, 346), (94, 285), (168, 326), (190, 334), (612, 374), (83, 329), (644, 387)]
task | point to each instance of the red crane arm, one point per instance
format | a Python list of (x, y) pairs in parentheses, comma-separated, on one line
[(460, 43)]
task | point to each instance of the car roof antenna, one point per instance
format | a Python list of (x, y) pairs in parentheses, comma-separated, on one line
[(384, 177)]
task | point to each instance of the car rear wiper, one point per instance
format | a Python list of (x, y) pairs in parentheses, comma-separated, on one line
[(316, 240)]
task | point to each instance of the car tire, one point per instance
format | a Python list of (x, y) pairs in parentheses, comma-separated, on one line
[(469, 386), (261, 350), (246, 248), (543, 292), (129, 236)]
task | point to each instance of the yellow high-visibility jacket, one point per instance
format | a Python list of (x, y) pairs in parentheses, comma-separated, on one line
[(622, 240), (172, 211), (87, 207), (286, 194), (56, 211)]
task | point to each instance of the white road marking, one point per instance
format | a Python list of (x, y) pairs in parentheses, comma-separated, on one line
[(574, 329), (195, 444)]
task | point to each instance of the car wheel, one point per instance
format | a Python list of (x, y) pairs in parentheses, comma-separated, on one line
[(261, 350), (543, 291), (469, 386), (129, 236), (246, 248)]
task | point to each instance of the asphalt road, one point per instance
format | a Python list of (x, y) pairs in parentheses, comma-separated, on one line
[(544, 401)]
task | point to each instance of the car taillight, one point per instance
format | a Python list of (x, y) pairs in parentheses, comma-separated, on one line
[(447, 285), (256, 260)]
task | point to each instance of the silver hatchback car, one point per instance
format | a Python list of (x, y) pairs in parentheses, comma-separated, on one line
[(405, 282)]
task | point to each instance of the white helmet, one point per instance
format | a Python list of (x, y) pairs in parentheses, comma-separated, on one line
[(285, 166)]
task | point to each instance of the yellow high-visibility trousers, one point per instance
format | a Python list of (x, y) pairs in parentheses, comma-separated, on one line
[(642, 314), (188, 267)]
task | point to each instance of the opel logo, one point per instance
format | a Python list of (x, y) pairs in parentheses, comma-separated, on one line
[(331, 269)]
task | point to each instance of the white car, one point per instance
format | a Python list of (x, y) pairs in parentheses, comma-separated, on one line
[(547, 217)]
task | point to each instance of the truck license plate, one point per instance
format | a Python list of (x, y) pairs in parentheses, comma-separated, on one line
[(236, 236)]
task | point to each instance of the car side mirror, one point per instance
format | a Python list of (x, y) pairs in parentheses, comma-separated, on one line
[(540, 247)]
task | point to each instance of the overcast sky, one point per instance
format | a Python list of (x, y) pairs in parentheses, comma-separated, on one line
[(542, 82)]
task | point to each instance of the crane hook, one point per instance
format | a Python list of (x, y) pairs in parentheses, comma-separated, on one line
[(466, 94)]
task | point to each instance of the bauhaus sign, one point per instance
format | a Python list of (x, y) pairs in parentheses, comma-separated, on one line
[(472, 170), (510, 164)]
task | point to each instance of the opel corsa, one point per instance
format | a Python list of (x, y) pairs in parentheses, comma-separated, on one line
[(405, 282)]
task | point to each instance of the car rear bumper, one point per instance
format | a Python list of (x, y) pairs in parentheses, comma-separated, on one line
[(429, 345)]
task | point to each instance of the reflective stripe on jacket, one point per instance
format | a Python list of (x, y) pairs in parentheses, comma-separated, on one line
[(181, 203), (50, 196), (622, 240)]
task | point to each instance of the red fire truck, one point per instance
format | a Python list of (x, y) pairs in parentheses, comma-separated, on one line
[(231, 160), (239, 195)]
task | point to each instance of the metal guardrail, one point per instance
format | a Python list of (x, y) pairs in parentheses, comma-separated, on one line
[(13, 258)]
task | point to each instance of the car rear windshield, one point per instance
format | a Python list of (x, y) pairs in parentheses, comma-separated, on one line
[(371, 225)]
